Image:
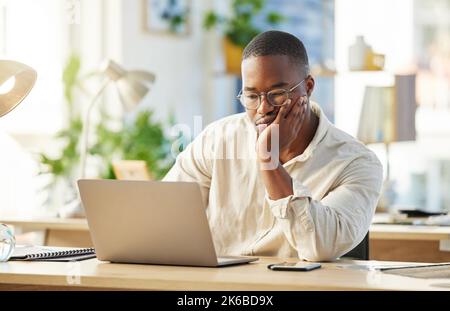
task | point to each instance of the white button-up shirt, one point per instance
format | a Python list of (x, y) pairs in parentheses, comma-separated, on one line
[(336, 185)]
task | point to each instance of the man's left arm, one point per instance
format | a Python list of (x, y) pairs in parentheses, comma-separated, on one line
[(329, 228)]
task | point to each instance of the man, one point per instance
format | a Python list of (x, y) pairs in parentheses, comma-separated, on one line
[(280, 179)]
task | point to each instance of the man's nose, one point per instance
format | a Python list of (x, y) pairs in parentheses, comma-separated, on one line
[(264, 107)]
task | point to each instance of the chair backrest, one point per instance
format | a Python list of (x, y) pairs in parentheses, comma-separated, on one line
[(360, 252)]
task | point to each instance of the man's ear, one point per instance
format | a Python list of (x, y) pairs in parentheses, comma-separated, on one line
[(310, 83)]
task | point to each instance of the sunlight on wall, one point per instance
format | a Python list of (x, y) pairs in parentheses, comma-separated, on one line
[(34, 36), (17, 183)]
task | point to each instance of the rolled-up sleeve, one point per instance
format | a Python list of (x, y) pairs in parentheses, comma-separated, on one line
[(322, 230)]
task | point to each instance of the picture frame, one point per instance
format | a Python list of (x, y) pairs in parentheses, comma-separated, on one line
[(131, 170), (169, 17)]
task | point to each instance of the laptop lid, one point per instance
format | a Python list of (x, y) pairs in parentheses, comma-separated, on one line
[(148, 222)]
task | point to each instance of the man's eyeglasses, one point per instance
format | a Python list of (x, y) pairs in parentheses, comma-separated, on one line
[(276, 98)]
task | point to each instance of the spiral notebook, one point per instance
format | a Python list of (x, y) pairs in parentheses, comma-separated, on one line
[(45, 253)]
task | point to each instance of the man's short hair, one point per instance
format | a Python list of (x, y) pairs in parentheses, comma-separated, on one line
[(275, 42)]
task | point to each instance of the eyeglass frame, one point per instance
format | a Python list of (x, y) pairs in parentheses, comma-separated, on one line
[(287, 91)]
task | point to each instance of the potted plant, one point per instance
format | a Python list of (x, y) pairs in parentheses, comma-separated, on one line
[(143, 139), (239, 28)]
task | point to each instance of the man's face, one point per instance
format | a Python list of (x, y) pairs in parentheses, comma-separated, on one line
[(267, 73)]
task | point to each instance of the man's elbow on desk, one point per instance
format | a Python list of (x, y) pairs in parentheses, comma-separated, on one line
[(322, 255), (325, 247), (316, 254)]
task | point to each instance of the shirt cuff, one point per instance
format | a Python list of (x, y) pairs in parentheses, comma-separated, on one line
[(280, 207)]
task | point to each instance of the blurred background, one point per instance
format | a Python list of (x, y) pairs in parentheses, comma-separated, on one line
[(382, 71)]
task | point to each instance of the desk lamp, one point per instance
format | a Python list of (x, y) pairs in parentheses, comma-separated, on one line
[(132, 86), (16, 81)]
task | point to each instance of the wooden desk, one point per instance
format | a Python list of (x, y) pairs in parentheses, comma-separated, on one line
[(387, 242), (57, 231), (410, 243), (95, 275)]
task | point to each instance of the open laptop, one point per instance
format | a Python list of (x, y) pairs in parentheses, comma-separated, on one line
[(150, 222)]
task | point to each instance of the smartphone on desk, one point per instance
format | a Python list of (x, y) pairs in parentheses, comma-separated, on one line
[(294, 266)]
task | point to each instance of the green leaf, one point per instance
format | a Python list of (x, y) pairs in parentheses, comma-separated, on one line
[(210, 20), (274, 18), (70, 76), (240, 27), (144, 139)]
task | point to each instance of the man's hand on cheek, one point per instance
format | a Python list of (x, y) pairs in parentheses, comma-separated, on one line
[(280, 134)]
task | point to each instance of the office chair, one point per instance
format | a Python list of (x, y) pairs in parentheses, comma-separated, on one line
[(361, 251)]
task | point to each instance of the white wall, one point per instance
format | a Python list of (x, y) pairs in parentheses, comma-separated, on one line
[(183, 64), (35, 36)]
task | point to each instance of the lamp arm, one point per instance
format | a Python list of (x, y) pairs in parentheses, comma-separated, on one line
[(86, 125)]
